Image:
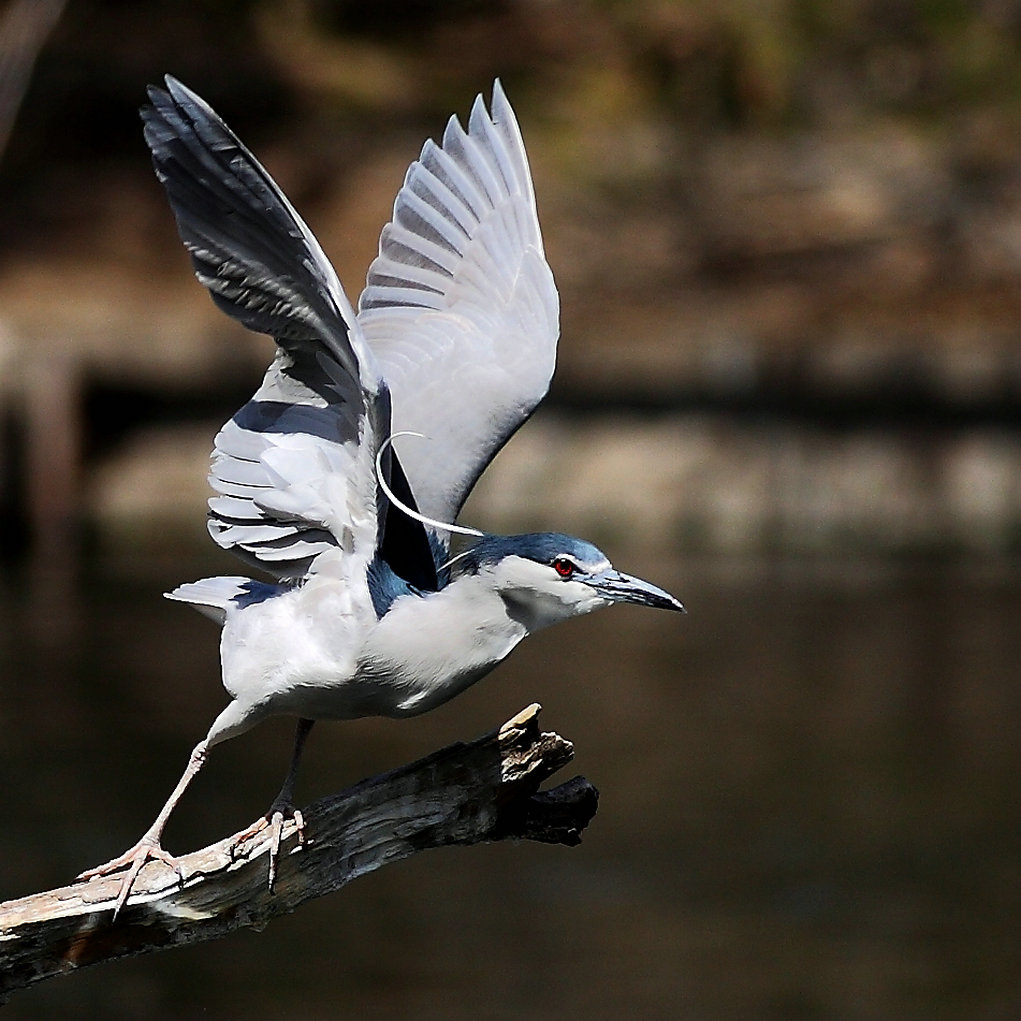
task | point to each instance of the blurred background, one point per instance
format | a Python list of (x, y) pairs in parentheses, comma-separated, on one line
[(787, 236)]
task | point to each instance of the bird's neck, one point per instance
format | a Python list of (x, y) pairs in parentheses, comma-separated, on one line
[(386, 586)]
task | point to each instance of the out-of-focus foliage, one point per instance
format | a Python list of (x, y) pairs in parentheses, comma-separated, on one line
[(800, 211)]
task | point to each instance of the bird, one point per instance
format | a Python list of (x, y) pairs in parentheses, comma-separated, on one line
[(369, 610)]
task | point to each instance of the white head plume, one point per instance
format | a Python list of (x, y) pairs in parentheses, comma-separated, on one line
[(445, 526)]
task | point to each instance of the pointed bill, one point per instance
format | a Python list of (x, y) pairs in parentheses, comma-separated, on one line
[(624, 588)]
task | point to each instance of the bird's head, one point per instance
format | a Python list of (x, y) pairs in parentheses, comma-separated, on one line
[(546, 577)]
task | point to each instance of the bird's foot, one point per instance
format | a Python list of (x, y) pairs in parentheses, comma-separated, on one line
[(134, 859), (274, 819)]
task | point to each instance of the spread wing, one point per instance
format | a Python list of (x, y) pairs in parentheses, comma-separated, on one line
[(294, 469), (460, 307)]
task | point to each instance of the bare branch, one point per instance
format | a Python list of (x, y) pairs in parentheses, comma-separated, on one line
[(463, 794)]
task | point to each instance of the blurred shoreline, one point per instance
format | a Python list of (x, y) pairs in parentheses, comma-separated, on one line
[(788, 249), (677, 484)]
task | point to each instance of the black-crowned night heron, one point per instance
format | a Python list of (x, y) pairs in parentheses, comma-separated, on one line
[(455, 339)]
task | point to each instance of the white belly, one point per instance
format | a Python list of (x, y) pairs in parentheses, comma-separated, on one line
[(320, 652)]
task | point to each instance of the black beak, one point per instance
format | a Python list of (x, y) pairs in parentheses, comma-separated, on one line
[(623, 588)]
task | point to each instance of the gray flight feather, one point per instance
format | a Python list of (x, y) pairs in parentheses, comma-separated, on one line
[(460, 306), (294, 468)]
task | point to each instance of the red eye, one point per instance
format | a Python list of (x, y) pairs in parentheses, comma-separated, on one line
[(564, 567)]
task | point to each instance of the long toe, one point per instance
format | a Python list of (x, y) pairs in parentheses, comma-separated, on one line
[(122, 861), (134, 859), (113, 865), (252, 831), (277, 827), (273, 820)]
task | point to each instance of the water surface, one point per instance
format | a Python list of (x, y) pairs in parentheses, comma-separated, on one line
[(810, 806)]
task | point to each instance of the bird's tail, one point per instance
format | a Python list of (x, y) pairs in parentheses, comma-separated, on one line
[(215, 596)]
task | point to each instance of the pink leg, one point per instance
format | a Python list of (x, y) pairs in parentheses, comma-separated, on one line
[(149, 846), (282, 807)]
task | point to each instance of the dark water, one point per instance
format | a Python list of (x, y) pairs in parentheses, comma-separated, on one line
[(811, 807)]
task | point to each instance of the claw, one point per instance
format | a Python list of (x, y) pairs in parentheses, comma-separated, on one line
[(277, 824), (274, 819), (281, 809), (134, 859), (277, 827)]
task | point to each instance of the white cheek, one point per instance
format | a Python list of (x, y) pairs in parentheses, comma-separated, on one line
[(540, 596), (565, 599), (585, 599)]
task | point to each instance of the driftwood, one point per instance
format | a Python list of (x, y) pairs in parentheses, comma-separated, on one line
[(463, 794)]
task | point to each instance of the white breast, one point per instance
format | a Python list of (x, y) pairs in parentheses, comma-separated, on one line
[(320, 652), (427, 649)]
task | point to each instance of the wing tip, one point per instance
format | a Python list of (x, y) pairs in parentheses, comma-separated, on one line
[(172, 92), (499, 96)]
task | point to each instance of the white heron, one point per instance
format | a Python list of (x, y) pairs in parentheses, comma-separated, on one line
[(455, 339)]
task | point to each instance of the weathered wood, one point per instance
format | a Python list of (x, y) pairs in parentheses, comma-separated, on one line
[(485, 790)]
